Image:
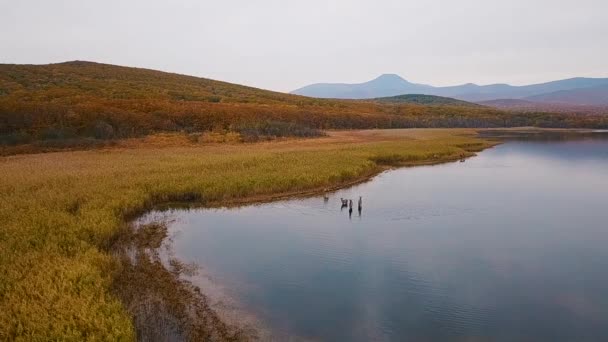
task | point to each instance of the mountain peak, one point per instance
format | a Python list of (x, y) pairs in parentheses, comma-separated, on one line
[(389, 81), (390, 78)]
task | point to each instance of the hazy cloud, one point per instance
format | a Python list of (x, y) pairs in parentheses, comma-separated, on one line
[(283, 45)]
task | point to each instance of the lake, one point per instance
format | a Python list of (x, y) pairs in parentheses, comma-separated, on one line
[(510, 245)]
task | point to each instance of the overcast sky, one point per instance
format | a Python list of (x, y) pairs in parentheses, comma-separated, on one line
[(283, 45)]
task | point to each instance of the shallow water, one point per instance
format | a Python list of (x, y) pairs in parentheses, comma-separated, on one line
[(509, 245)]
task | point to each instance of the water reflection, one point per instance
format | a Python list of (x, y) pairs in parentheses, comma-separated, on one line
[(509, 245)]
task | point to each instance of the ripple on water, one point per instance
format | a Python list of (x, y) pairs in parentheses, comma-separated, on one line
[(463, 251)]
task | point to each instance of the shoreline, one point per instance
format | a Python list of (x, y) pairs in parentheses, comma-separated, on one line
[(260, 199), (235, 312), (66, 211), (183, 281)]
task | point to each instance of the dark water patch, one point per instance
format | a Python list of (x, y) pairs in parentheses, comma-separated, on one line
[(506, 246)]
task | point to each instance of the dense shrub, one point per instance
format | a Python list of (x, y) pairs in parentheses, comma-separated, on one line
[(57, 133), (15, 138), (103, 130), (274, 129)]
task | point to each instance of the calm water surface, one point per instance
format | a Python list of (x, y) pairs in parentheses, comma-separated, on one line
[(509, 245)]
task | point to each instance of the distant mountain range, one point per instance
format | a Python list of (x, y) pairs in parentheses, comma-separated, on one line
[(574, 91)]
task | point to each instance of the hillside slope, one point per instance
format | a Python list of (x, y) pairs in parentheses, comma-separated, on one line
[(52, 81), (76, 100)]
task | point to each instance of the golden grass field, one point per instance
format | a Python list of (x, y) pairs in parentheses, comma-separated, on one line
[(60, 211)]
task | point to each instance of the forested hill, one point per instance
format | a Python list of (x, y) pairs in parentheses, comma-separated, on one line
[(427, 100), (78, 78), (85, 99)]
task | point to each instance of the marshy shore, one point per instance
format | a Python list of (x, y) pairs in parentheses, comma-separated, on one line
[(63, 214)]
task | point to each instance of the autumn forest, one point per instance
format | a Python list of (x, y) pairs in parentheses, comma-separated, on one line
[(83, 102)]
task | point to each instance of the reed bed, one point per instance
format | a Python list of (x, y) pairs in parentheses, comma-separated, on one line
[(59, 212)]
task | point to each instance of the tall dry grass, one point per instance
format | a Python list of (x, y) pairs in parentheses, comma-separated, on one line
[(59, 211)]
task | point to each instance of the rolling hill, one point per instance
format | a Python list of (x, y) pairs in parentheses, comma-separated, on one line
[(430, 100), (86, 100)]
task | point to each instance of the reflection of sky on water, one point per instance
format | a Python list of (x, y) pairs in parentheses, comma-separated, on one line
[(509, 245)]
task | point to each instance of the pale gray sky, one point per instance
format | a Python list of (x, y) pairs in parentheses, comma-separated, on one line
[(282, 44)]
